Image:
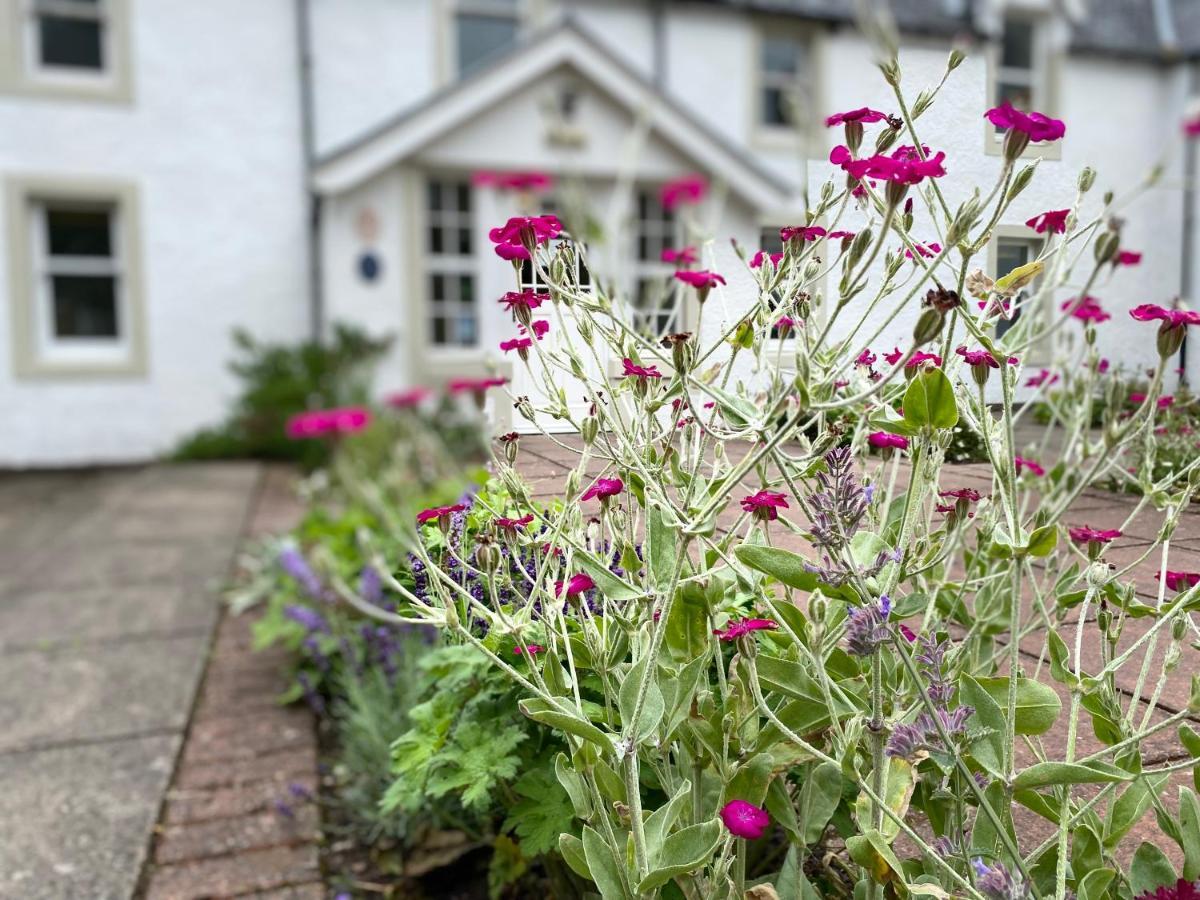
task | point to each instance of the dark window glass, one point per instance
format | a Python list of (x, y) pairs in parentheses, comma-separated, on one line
[(84, 306), (72, 232), (435, 195), (776, 107), (770, 240), (780, 56), (435, 239), (483, 37), (464, 197), (466, 288), (466, 330), (1019, 95), (1017, 50), (439, 330), (464, 241), (70, 42), (437, 287), (1010, 255)]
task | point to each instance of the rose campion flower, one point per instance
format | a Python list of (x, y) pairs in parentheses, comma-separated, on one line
[(438, 513), (1086, 309), (785, 324), (905, 166), (741, 627), (477, 387), (1179, 581), (525, 300), (1191, 126), (927, 251), (700, 279), (764, 505), (866, 359), (515, 237), (1044, 377), (1035, 125), (1029, 465), (683, 258), (534, 182), (745, 820), (1127, 258), (863, 115), (1102, 366), (1054, 221), (982, 358), (574, 586), (528, 650), (1084, 534), (539, 327), (519, 344), (1173, 327), (969, 494), (801, 233), (690, 189), (633, 370), (344, 420), (1183, 889), (756, 261), (408, 399), (603, 488), (885, 440), (892, 357), (511, 526), (841, 235), (922, 357)]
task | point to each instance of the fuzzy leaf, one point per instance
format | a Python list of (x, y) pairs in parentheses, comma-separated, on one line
[(1051, 773), (603, 865), (1038, 706), (929, 400), (653, 706), (541, 711), (1150, 870), (684, 851)]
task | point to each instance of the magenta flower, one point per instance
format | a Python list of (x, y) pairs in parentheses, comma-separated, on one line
[(473, 385), (927, 251), (513, 525), (866, 358), (689, 189), (745, 820), (438, 513), (1171, 318), (785, 324), (603, 488), (1086, 535), (1044, 377), (908, 634), (528, 650), (518, 344), (982, 358), (1127, 258), (682, 258), (757, 260), (921, 357), (1102, 366), (893, 356), (575, 585), (1180, 890), (632, 370), (700, 279), (841, 235), (969, 494), (1179, 581), (539, 327), (765, 505), (1037, 126), (736, 629), (525, 300), (884, 440), (801, 232), (1164, 402), (408, 399), (863, 115), (904, 166), (514, 181), (1024, 464), (1054, 221), (516, 237), (344, 420), (1086, 309)]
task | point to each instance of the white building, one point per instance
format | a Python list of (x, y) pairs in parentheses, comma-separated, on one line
[(175, 169)]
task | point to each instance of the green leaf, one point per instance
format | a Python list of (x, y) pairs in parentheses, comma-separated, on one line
[(1038, 706), (607, 583), (1051, 773), (1150, 870), (750, 779), (542, 812), (1060, 660), (929, 400), (1191, 743), (541, 711), (687, 636), (865, 548), (660, 822), (782, 565), (900, 781), (574, 785), (653, 706), (892, 422), (660, 547), (603, 865), (1129, 808), (1043, 540), (988, 746), (1094, 884), (872, 852), (571, 849), (819, 798), (685, 851), (1189, 832)]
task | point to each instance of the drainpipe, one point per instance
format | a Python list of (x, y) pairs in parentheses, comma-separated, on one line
[(658, 12), (1187, 269), (308, 137)]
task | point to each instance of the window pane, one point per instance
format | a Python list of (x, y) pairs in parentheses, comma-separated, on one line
[(464, 241), (78, 232), (466, 329), (466, 289), (770, 241), (1019, 95), (1017, 51), (439, 330), (776, 107), (464, 197), (75, 43), (779, 55), (483, 37), (1010, 255), (84, 306)]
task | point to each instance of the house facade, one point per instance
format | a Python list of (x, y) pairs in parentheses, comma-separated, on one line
[(173, 170)]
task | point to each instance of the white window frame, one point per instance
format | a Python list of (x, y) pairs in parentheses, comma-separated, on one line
[(23, 72), (514, 10), (1040, 77), (452, 265), (808, 82), (37, 350), (667, 233)]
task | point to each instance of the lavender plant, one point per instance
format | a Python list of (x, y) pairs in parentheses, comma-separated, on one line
[(790, 658)]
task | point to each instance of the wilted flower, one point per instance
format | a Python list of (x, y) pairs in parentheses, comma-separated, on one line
[(745, 820), (603, 488), (1054, 221), (765, 505), (740, 628), (686, 190), (519, 234)]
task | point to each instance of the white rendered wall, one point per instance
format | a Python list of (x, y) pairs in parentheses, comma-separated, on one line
[(211, 140)]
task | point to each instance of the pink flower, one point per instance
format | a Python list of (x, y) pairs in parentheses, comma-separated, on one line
[(1127, 258), (1086, 309), (1086, 535), (904, 166), (1179, 581), (576, 584), (922, 357), (701, 279), (688, 189), (438, 513), (801, 232), (864, 115), (745, 820), (528, 649), (892, 357), (885, 440), (682, 258), (514, 181), (1183, 889), (511, 525), (1171, 318), (736, 629), (1033, 467), (1044, 377), (982, 358), (408, 399), (517, 344), (539, 327), (1054, 221), (473, 385), (969, 494), (785, 324), (527, 299), (603, 488), (841, 235), (1037, 126), (1191, 127), (757, 260), (765, 505), (866, 358), (933, 248), (908, 633), (1102, 366), (515, 237), (1164, 402), (345, 420), (632, 370)]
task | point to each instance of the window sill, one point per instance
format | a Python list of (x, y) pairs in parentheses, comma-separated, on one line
[(993, 145), (43, 368)]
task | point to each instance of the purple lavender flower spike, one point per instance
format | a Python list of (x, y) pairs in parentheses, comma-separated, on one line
[(370, 585), (292, 561), (309, 618)]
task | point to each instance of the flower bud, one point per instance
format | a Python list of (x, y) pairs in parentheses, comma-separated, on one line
[(885, 139), (510, 448), (584, 324), (957, 55), (1106, 246), (682, 350), (980, 373), (854, 136), (588, 430), (895, 193), (817, 607), (525, 408), (572, 486), (1170, 339), (929, 324), (1086, 179), (1171, 661), (1021, 180), (487, 554), (1015, 143), (1178, 628), (558, 268), (908, 214)]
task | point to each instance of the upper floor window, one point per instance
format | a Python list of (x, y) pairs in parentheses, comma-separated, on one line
[(69, 34), (1018, 72), (453, 306), (483, 29), (656, 229), (785, 74)]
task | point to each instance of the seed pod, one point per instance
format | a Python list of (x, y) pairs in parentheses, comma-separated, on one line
[(1021, 180), (588, 430), (1106, 246), (929, 325)]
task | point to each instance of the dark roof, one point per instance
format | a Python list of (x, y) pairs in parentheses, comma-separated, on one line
[(1154, 30)]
